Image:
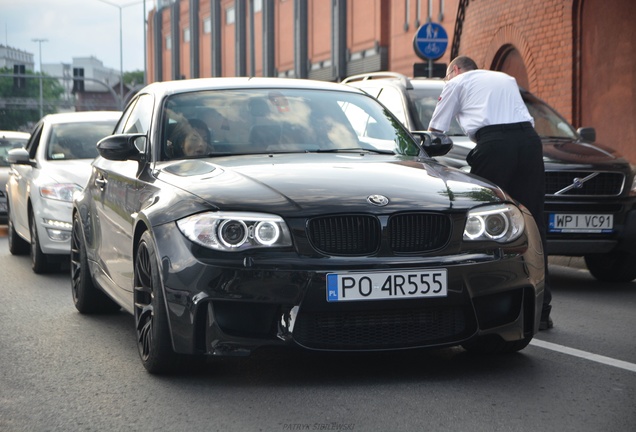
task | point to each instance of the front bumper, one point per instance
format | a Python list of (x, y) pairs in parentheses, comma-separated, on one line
[(234, 305), (53, 222)]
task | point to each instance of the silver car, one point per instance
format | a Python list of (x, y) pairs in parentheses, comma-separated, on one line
[(8, 140), (44, 175)]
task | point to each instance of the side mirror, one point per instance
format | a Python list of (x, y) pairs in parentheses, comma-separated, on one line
[(19, 156), (587, 134), (122, 147), (434, 143)]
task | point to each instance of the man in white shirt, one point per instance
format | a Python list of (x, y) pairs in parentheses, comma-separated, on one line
[(490, 110)]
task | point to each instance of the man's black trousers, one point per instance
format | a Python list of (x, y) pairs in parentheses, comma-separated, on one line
[(511, 156)]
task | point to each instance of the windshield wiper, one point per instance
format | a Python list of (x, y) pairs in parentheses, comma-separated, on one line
[(352, 150)]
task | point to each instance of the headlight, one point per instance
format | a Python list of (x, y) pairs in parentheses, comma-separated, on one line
[(502, 223), (235, 231), (60, 191)]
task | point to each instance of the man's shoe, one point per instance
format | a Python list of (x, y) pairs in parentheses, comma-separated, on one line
[(546, 323)]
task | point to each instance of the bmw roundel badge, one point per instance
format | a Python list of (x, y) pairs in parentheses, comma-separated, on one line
[(378, 200)]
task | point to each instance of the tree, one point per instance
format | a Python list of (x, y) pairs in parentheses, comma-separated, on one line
[(20, 107), (131, 79)]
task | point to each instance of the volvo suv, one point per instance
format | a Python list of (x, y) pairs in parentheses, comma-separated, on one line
[(590, 197)]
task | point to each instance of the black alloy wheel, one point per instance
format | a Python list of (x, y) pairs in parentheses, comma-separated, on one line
[(17, 245), (151, 320), (87, 297)]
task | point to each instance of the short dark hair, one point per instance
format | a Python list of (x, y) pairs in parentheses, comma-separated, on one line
[(201, 126), (464, 63)]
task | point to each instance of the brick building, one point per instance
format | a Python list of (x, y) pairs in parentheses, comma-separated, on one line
[(575, 54), (578, 55)]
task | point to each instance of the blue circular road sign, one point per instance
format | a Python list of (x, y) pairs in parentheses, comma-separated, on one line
[(430, 41)]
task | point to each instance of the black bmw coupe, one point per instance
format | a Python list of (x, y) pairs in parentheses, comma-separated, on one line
[(227, 214)]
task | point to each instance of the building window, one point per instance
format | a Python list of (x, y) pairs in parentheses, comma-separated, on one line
[(230, 15), (186, 34), (207, 25), (168, 42)]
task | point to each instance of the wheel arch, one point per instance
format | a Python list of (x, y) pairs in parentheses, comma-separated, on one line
[(195, 344), (30, 215), (142, 226)]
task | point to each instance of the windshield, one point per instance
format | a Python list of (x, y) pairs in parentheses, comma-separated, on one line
[(547, 122), (77, 140), (424, 102), (252, 121)]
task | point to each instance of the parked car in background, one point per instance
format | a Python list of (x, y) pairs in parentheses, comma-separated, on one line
[(317, 221), (8, 141), (43, 177), (590, 197)]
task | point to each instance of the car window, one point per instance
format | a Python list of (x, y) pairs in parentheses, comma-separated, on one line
[(547, 122), (392, 99), (32, 145), (138, 122), (285, 120), (423, 102), (77, 140), (123, 120)]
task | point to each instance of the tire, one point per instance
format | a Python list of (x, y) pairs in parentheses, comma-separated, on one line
[(618, 266), (39, 260), (88, 299), (495, 345), (17, 245), (153, 334)]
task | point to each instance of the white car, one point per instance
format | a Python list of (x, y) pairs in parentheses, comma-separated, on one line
[(44, 175), (8, 140)]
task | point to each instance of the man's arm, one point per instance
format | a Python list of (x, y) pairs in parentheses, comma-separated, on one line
[(446, 108)]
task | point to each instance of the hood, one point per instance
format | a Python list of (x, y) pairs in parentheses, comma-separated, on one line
[(306, 184), (68, 171), (558, 153), (564, 151)]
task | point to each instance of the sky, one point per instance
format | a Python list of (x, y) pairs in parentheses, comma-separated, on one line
[(76, 28)]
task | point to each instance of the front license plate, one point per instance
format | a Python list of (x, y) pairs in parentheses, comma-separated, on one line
[(386, 285), (581, 223)]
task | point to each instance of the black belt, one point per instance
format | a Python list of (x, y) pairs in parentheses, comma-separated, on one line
[(502, 128)]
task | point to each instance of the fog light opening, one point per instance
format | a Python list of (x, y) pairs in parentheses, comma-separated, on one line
[(58, 235)]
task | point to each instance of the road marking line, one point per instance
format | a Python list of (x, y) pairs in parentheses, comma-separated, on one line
[(584, 355)]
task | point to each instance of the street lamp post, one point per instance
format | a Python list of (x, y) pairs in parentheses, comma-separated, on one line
[(145, 42), (39, 41), (121, 49)]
